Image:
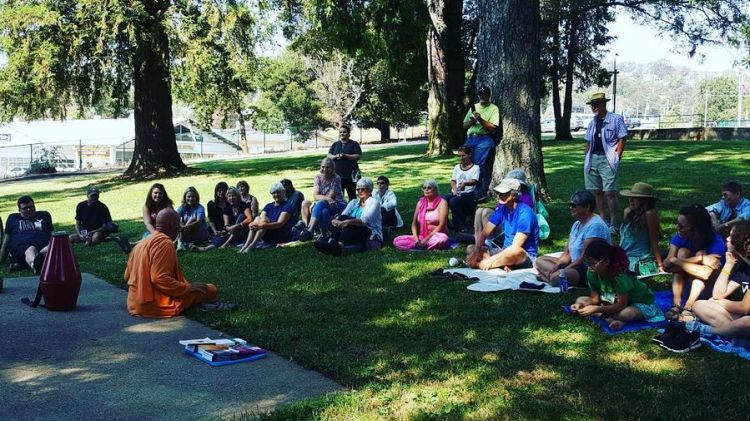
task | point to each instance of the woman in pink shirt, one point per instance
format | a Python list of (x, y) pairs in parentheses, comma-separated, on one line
[(429, 226)]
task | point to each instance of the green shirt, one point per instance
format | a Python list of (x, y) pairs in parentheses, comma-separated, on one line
[(637, 291), (489, 113)]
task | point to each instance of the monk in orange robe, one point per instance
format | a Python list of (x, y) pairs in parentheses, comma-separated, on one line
[(156, 285)]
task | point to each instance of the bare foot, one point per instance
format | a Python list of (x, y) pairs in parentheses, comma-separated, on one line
[(616, 324)]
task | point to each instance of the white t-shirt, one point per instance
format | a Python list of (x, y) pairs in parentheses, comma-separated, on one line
[(460, 175)]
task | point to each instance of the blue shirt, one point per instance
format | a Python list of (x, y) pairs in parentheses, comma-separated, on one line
[(717, 245), (723, 212), (369, 214), (25, 233), (594, 228), (274, 211), (522, 219), (613, 129)]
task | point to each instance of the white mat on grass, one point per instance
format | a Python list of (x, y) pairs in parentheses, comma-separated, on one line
[(500, 280)]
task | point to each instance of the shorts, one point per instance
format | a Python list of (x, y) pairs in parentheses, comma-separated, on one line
[(651, 312), (494, 249), (600, 176)]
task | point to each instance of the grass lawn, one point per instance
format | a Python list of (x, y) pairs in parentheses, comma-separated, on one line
[(407, 347)]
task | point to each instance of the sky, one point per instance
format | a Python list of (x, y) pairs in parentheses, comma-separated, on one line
[(632, 38)]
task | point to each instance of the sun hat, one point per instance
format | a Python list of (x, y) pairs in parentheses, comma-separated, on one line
[(640, 190), (598, 97), (507, 184)]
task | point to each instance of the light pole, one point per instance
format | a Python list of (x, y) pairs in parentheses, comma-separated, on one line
[(614, 86)]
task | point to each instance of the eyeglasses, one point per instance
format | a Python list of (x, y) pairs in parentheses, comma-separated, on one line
[(426, 187), (361, 189), (381, 182)]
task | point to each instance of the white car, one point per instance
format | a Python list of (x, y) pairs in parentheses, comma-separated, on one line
[(548, 126)]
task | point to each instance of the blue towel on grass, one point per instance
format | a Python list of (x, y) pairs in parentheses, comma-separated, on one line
[(717, 343), (662, 298)]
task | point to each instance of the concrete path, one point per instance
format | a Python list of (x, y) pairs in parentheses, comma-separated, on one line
[(97, 362)]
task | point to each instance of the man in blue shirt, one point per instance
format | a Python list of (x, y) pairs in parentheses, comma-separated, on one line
[(605, 141), (27, 235), (731, 209), (520, 230)]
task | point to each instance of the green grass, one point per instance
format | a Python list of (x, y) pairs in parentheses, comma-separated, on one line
[(407, 347)]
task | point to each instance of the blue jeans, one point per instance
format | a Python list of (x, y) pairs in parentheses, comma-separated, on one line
[(323, 211), (482, 146), (462, 206)]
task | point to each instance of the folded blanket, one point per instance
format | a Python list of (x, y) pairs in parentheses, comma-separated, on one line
[(662, 298), (737, 347)]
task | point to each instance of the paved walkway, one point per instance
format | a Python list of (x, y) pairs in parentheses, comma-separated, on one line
[(97, 362)]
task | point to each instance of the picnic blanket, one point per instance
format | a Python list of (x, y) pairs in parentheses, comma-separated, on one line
[(717, 343), (662, 298), (500, 280)]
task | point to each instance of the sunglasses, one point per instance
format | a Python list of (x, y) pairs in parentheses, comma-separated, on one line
[(361, 189), (382, 182), (426, 187)]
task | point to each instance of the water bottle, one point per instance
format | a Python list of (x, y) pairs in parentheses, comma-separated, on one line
[(562, 280), (454, 262)]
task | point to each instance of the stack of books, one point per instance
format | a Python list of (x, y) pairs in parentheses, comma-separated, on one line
[(218, 352)]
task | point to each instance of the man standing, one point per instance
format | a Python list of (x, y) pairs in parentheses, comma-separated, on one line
[(345, 154), (94, 222), (463, 197), (605, 141), (520, 230), (482, 124), (27, 235), (156, 285)]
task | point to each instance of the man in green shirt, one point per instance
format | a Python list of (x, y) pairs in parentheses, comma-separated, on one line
[(481, 123)]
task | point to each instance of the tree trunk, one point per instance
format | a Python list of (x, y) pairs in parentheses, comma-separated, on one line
[(155, 153), (555, 74), (243, 132), (508, 51), (385, 130), (445, 75), (562, 126)]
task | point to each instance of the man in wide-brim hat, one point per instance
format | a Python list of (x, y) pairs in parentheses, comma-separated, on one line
[(605, 137)]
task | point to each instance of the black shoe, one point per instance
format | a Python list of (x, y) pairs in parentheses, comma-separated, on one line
[(322, 246), (682, 342), (38, 262), (305, 235), (483, 199), (123, 242), (335, 248), (669, 331)]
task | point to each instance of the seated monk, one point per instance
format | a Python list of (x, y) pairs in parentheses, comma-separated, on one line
[(156, 285)]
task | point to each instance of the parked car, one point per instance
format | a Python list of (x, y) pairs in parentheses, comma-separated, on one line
[(576, 123), (548, 126), (632, 122)]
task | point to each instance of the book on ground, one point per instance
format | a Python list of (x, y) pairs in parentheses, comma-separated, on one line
[(222, 351)]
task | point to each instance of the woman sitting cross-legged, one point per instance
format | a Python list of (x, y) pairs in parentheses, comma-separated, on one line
[(274, 225), (359, 223), (695, 256), (639, 233), (588, 226), (616, 293), (237, 216), (429, 226), (193, 227), (156, 200), (329, 200)]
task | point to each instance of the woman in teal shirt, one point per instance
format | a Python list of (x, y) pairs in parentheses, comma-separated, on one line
[(639, 233)]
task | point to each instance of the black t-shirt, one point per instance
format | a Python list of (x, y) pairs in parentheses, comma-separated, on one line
[(228, 211), (215, 215), (24, 232), (92, 217), (741, 274), (295, 202), (344, 167), (598, 145)]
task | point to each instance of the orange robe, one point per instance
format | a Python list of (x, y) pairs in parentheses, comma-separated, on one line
[(156, 285)]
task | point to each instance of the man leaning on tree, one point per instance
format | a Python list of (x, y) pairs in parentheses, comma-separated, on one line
[(482, 131)]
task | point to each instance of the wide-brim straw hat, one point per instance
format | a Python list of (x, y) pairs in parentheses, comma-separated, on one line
[(598, 97), (640, 190)]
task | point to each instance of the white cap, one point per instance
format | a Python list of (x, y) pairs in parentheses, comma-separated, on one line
[(507, 185)]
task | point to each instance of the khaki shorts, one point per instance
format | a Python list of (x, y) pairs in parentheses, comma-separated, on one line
[(600, 176)]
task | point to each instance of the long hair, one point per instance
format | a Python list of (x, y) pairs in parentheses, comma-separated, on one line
[(701, 230), (637, 216), (600, 249), (221, 186), (166, 202), (184, 196), (740, 238)]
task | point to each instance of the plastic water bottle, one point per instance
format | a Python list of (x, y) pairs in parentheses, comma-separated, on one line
[(453, 262), (563, 280)]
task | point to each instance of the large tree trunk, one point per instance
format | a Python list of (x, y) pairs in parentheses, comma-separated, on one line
[(445, 75), (155, 151), (385, 130), (243, 132), (562, 126), (508, 49), (555, 74)]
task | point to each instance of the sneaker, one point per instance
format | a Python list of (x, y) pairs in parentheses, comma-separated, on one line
[(669, 331), (301, 226), (124, 243), (322, 246), (682, 342), (305, 235), (181, 246)]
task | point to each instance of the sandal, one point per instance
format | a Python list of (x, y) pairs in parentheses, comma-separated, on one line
[(217, 306), (673, 313), (687, 315)]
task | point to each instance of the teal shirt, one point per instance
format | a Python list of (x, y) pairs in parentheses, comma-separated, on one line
[(635, 242), (624, 283)]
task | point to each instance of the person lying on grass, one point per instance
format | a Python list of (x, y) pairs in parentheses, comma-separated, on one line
[(616, 293), (720, 315), (695, 256), (520, 233), (273, 226)]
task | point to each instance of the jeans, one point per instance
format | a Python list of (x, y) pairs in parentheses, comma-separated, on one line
[(462, 206), (323, 211), (483, 148)]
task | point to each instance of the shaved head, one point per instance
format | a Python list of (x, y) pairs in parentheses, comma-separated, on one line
[(168, 222)]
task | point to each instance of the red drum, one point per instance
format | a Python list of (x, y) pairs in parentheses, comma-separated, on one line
[(60, 278)]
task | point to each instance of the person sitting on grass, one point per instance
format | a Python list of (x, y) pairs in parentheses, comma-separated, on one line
[(587, 227), (274, 225), (639, 232), (616, 293), (720, 315), (482, 215), (215, 209), (94, 222), (463, 197), (295, 199), (520, 232), (359, 224), (157, 287), (731, 209), (27, 235), (695, 256), (429, 226), (329, 200), (248, 198), (193, 226), (156, 200), (388, 203), (237, 216)]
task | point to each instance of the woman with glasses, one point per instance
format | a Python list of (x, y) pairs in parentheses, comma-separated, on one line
[(695, 256), (616, 293), (429, 226), (587, 227), (358, 225), (274, 225), (388, 203), (328, 196)]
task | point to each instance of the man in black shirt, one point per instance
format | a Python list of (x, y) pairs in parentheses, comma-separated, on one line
[(94, 222)]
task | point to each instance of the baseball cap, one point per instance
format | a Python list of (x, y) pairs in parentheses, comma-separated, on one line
[(508, 184)]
